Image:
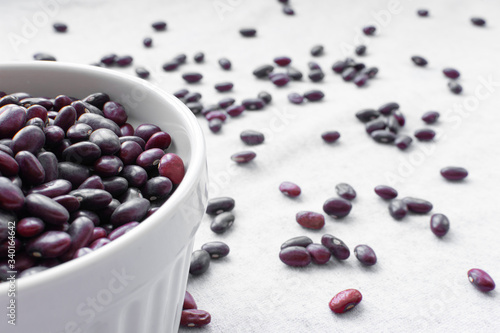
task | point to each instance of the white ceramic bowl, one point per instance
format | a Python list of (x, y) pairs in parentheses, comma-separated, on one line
[(135, 284)]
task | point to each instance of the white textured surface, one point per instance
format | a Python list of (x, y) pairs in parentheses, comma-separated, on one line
[(419, 283)]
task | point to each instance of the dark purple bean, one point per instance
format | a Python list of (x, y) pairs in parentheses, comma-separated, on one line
[(287, 10), (253, 104), (108, 166), (337, 207), (156, 187), (224, 86), (12, 119), (418, 206), (314, 95), (296, 256), (423, 12), (392, 124), (430, 117), (83, 152), (60, 101), (345, 300), (145, 131), (97, 233), (53, 188), (43, 57), (115, 112), (180, 59), (123, 61), (216, 250), (360, 80), (82, 108), (235, 110), (265, 96), (336, 246), (388, 108), (375, 125), (37, 122), (49, 163), (132, 210), (455, 87), (210, 108), (280, 79), (159, 25), (199, 57), (200, 262), (122, 230), (50, 244), (159, 140), (222, 222), (147, 42), (294, 73), (7, 143), (454, 173), (386, 192), (92, 199), (195, 318), (439, 224), (330, 136), (97, 99), (345, 191), (477, 21), (192, 77), (383, 136), (73, 172), (76, 133), (130, 194), (47, 209), (263, 71), (88, 214), (12, 98), (419, 61), (302, 241), (133, 138), (105, 213), (98, 243), (36, 111), (226, 102), (195, 107), (313, 65), (135, 175), (481, 280), (8, 165), (243, 156), (320, 255), (71, 203), (282, 61), (96, 121), (451, 73), (398, 209), (127, 130), (6, 149), (403, 141), (150, 158), (170, 66), (30, 101), (31, 170), (80, 231), (251, 137), (30, 138), (60, 27), (369, 30), (367, 115), (216, 115), (109, 59), (371, 72), (219, 205), (316, 75), (11, 196), (106, 140), (425, 134), (66, 117), (349, 74), (317, 50), (248, 32), (310, 220), (30, 227), (360, 50), (225, 63), (215, 125), (339, 66), (365, 255)]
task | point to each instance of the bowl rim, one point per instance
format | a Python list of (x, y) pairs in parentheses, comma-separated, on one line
[(197, 163)]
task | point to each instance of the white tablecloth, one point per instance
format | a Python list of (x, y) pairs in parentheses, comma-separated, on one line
[(420, 281)]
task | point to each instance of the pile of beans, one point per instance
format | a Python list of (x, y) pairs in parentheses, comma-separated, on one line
[(75, 175)]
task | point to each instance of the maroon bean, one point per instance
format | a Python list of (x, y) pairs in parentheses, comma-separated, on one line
[(133, 138), (290, 189), (147, 42), (50, 244), (53, 135), (314, 95), (195, 107), (235, 110), (200, 262), (36, 111), (219, 205), (66, 117), (159, 25), (135, 175), (130, 151), (481, 280), (115, 112), (108, 142), (296, 256), (251, 137), (160, 140), (320, 255), (418, 206), (216, 250), (109, 59), (123, 61), (248, 32), (97, 233), (156, 188), (439, 224), (180, 59), (53, 188), (313, 65), (105, 213), (30, 138), (282, 61), (6, 149), (316, 75), (392, 124), (425, 134), (97, 121), (398, 209), (60, 101), (37, 122), (69, 202), (337, 207), (172, 167), (145, 131), (339, 66), (263, 71), (253, 104), (30, 227), (455, 87), (8, 165), (345, 300), (222, 222), (451, 73), (330, 136), (221, 115), (224, 86), (115, 185), (31, 170), (78, 132), (280, 79), (127, 130), (80, 231), (108, 166), (369, 30), (295, 98), (365, 255), (122, 230), (225, 103), (192, 77), (47, 209), (82, 108), (454, 173), (192, 97), (419, 61), (386, 192), (403, 141), (367, 115), (12, 119), (360, 80), (83, 152), (336, 246), (310, 220), (87, 213), (225, 63), (195, 318), (189, 302), (477, 21), (49, 163), (430, 117), (170, 66), (423, 12), (92, 199), (98, 243), (345, 191), (94, 182), (302, 241), (349, 74), (360, 50), (130, 194), (129, 211)]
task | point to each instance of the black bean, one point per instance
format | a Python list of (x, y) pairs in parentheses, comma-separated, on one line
[(314, 95), (195, 107), (265, 96), (216, 250), (388, 108), (454, 173), (170, 66), (200, 262), (47, 209), (50, 244), (287, 10), (142, 72), (222, 222), (106, 140), (123, 61), (94, 182), (423, 12), (253, 104), (31, 170), (225, 103), (156, 188), (11, 196), (12, 119), (53, 188), (360, 80), (371, 72), (97, 121), (248, 32), (92, 199), (80, 232), (339, 66), (349, 74), (60, 27), (215, 125), (192, 97), (294, 73), (73, 172), (367, 115), (180, 59), (83, 152), (375, 125), (263, 71)]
